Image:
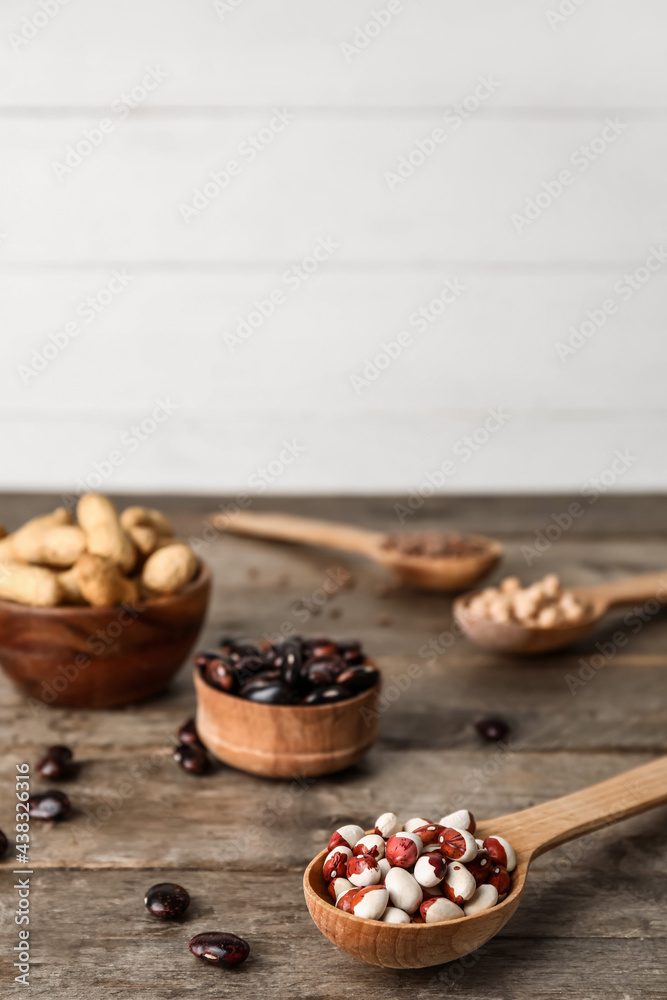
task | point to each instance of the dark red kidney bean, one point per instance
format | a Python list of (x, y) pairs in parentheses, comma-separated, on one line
[(359, 678), (500, 878), (4, 844), (221, 674), (55, 763), (219, 948), (292, 662), (327, 694), (49, 805), (269, 692), (492, 728), (187, 733), (205, 656), (319, 673), (334, 664), (266, 675), (167, 901), (237, 649), (248, 666), (480, 867), (192, 758), (324, 649)]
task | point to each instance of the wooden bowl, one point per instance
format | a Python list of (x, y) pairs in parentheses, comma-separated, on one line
[(286, 741), (84, 657)]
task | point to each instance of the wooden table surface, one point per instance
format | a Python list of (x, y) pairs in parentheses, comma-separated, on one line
[(593, 922)]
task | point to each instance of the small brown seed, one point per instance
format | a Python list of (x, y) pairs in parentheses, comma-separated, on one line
[(219, 948), (167, 901), (492, 728), (187, 733), (192, 758), (49, 805), (56, 763)]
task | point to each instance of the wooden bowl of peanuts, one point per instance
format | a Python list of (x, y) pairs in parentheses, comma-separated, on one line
[(99, 613)]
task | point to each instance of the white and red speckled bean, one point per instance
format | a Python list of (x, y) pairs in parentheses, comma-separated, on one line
[(384, 867), (462, 819), (500, 878), (430, 868), (346, 835), (413, 824), (501, 851), (344, 901), (370, 902), (372, 844), (403, 849), (480, 866), (363, 870), (429, 834), (458, 885), (387, 825), (457, 844), (335, 863), (392, 915), (418, 872), (485, 897), (339, 886), (405, 891), (439, 909)]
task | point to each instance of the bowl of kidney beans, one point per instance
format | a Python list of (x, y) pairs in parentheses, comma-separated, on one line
[(300, 707)]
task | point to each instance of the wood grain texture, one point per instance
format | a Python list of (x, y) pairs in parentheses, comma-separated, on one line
[(331, 177), (353, 308), (243, 54), (424, 572), (124, 952), (532, 832), (590, 908), (286, 741), (102, 657), (224, 68)]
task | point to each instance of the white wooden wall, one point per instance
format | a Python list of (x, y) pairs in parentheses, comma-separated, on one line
[(222, 69)]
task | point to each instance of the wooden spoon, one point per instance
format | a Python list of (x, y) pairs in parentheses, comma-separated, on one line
[(433, 573), (531, 833), (510, 637)]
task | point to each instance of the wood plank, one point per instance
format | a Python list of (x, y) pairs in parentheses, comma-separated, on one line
[(621, 708), (136, 807), (460, 682), (328, 177), (354, 313), (543, 953), (591, 908), (513, 517), (221, 453), (256, 54)]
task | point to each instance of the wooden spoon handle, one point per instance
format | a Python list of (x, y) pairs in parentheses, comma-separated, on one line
[(289, 528), (636, 588), (545, 826)]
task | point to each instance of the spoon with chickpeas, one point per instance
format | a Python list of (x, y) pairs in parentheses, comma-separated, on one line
[(543, 616)]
